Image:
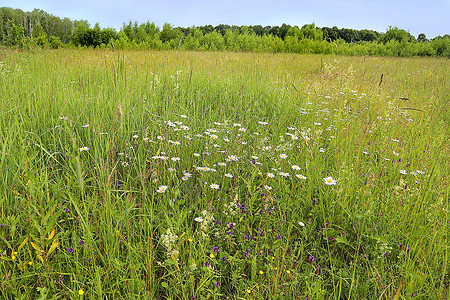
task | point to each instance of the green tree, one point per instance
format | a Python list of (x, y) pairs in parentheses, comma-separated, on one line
[(422, 38), (170, 36), (396, 34), (151, 30), (15, 33), (441, 45), (68, 26), (80, 34), (107, 35), (39, 36), (311, 32), (129, 31), (213, 41), (193, 40), (167, 33)]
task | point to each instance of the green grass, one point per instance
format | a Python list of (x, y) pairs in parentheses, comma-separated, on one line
[(94, 220)]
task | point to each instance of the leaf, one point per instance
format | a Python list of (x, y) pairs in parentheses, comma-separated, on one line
[(171, 261), (52, 234), (341, 240), (54, 245), (40, 257), (43, 293), (397, 295), (36, 247), (23, 244)]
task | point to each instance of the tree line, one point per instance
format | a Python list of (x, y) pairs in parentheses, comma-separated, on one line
[(40, 29)]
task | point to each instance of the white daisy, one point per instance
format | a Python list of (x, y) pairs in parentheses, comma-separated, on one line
[(214, 186), (162, 189), (329, 181)]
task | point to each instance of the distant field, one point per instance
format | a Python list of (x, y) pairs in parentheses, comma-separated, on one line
[(220, 175)]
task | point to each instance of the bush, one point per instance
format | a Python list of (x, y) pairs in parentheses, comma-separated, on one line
[(55, 42)]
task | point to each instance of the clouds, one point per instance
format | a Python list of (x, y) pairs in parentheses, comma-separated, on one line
[(414, 16)]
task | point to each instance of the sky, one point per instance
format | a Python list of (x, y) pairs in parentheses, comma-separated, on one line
[(414, 16)]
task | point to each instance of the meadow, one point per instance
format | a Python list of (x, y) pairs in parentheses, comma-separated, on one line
[(222, 175)]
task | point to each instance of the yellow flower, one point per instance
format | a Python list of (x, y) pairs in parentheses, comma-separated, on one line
[(212, 255), (287, 271), (249, 291), (30, 262), (190, 239), (261, 272), (81, 292)]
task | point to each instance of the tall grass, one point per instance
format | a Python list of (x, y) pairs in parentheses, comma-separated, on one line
[(178, 175)]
